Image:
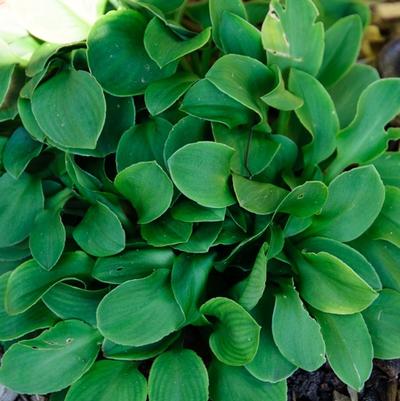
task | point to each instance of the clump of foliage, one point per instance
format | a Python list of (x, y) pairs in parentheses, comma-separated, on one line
[(195, 201)]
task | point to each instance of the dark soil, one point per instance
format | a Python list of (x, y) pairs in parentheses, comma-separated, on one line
[(323, 385)]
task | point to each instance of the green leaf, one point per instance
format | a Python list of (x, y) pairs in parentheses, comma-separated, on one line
[(161, 95), (383, 324), (28, 120), (294, 45), (237, 36), (187, 130), (251, 289), (229, 383), (387, 165), (137, 263), (15, 215), (190, 212), (100, 233), (280, 98), (247, 81), (29, 282), (350, 209), (12, 327), (346, 92), (70, 302), (387, 225), (365, 138), (236, 336), (119, 118), (144, 319), (189, 279), (201, 172), (118, 38), (19, 151), (47, 238), (166, 231), (269, 365), (254, 151), (296, 334), (178, 366), (142, 143), (141, 184), (318, 115), (340, 290), (70, 108), (346, 254), (217, 9), (258, 197), (384, 256), (120, 381), (126, 353), (202, 238), (158, 37), (348, 347), (305, 200), (61, 355), (342, 47), (63, 22), (205, 101)]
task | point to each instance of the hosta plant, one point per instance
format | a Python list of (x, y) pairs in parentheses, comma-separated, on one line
[(196, 199)]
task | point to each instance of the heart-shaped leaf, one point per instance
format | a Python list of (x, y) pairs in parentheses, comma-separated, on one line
[(19, 151), (166, 231), (269, 365), (143, 142), (236, 336), (143, 182), (340, 290), (70, 108), (206, 101), (29, 282), (201, 172), (348, 347), (348, 255), (258, 197), (237, 36), (47, 238), (61, 355), (296, 334), (118, 38), (161, 95), (350, 210), (144, 319), (100, 233), (248, 80), (120, 381), (183, 366)]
